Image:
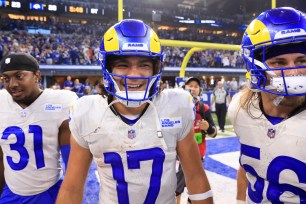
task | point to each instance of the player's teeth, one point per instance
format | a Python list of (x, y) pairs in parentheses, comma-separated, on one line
[(133, 86)]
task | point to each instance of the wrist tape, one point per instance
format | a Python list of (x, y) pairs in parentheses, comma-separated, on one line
[(201, 196)]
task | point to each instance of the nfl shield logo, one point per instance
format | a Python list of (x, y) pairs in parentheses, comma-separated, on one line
[(131, 134), (271, 133)]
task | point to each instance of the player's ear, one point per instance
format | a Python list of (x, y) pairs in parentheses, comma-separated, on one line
[(37, 76)]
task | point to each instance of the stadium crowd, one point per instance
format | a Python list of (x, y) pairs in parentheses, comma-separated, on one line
[(65, 44)]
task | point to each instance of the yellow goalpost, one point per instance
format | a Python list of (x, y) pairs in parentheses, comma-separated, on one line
[(195, 46)]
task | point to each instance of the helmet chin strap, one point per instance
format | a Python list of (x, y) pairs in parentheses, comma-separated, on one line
[(277, 100)]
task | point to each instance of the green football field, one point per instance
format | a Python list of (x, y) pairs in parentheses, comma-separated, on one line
[(228, 126)]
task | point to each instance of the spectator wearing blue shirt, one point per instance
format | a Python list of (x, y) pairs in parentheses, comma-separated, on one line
[(57, 57), (87, 84), (74, 55), (49, 56), (66, 56), (78, 88), (68, 84)]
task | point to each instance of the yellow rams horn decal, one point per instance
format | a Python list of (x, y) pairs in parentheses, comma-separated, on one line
[(154, 42), (111, 41), (258, 32)]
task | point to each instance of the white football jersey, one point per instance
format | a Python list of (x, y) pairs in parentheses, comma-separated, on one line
[(29, 140), (132, 163), (274, 156)]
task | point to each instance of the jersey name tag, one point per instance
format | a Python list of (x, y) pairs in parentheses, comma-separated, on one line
[(53, 107), (171, 122)]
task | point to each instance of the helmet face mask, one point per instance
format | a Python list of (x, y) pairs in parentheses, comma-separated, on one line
[(274, 33), (124, 94), (130, 38)]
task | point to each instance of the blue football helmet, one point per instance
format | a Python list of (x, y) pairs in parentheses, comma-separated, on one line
[(131, 38), (275, 32)]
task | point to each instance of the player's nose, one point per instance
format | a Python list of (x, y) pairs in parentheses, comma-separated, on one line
[(290, 68), (12, 83)]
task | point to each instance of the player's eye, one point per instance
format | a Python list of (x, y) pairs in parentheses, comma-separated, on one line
[(6, 79), (120, 65), (276, 63), (19, 76), (301, 62), (146, 65)]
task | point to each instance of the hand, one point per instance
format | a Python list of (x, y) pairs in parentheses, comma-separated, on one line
[(203, 124)]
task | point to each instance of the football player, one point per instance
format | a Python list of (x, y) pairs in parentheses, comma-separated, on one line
[(269, 115), (34, 127), (134, 134)]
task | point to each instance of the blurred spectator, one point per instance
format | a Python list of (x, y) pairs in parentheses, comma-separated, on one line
[(48, 56), (226, 86), (87, 91), (87, 83), (96, 88), (239, 61), (233, 60), (225, 61), (56, 86), (78, 88), (57, 57), (233, 84), (242, 84), (68, 84), (74, 55), (66, 56), (86, 54), (203, 62), (203, 85)]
